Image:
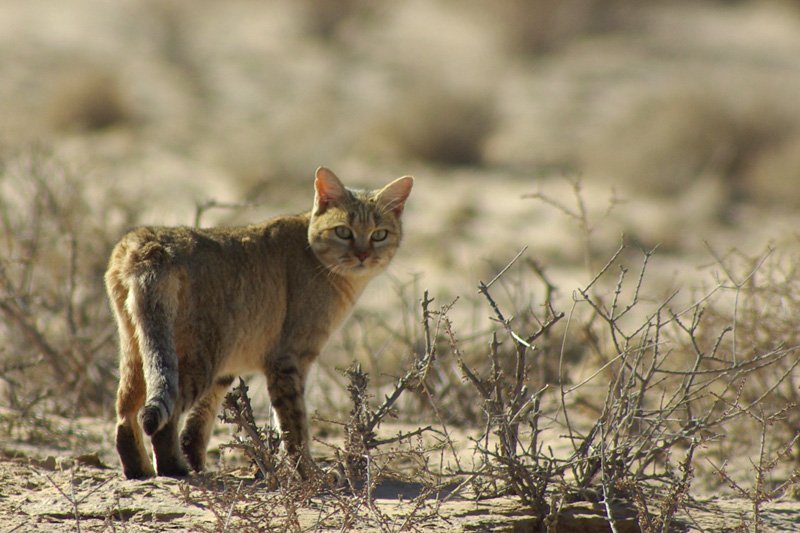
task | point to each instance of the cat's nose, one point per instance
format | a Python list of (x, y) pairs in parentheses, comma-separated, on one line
[(362, 256)]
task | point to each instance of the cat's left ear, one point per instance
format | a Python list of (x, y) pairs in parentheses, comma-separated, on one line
[(393, 196), (328, 190)]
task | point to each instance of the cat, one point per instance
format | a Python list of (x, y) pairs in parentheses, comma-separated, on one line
[(196, 307)]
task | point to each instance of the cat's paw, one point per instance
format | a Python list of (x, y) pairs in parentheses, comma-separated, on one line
[(136, 473), (172, 469)]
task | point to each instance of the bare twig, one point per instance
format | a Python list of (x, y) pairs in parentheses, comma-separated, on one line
[(201, 208)]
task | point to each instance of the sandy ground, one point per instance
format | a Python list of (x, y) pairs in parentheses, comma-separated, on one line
[(75, 484)]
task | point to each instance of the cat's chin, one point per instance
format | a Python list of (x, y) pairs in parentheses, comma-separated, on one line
[(359, 270)]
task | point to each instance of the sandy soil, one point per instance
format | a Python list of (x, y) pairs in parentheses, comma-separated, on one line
[(72, 482)]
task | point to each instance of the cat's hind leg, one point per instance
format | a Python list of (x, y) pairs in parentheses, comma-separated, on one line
[(168, 455), (200, 421), (130, 393), (130, 438)]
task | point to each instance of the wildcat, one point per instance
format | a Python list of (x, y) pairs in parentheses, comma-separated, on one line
[(196, 307)]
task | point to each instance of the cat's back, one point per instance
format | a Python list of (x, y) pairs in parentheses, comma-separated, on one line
[(152, 248)]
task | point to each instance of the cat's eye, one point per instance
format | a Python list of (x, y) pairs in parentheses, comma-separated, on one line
[(380, 235), (343, 232)]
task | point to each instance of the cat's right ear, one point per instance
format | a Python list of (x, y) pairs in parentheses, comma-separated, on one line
[(328, 190)]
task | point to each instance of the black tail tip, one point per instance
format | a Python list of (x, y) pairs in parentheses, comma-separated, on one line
[(150, 418)]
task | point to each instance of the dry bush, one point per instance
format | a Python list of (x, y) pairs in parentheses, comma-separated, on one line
[(667, 142), (541, 26), (775, 174), (670, 375), (438, 124), (170, 25), (512, 461), (666, 383), (363, 464), (684, 377), (329, 19), (87, 99), (762, 319), (398, 349), (56, 329), (368, 460), (762, 488), (259, 444)]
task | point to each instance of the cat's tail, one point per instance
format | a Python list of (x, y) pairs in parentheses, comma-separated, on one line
[(153, 309)]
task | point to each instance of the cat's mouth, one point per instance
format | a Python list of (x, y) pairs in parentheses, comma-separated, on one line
[(358, 267)]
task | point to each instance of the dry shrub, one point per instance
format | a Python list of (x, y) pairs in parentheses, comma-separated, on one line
[(329, 19), (87, 99), (776, 174), (516, 418), (667, 142), (171, 26), (363, 464), (438, 124), (259, 444), (762, 319), (56, 328), (669, 375), (390, 344), (540, 26), (683, 375)]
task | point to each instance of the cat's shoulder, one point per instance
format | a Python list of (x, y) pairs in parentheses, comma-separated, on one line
[(280, 227)]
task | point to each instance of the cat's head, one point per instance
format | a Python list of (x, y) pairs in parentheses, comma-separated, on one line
[(353, 232)]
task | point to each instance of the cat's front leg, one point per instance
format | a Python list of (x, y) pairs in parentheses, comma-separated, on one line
[(286, 376)]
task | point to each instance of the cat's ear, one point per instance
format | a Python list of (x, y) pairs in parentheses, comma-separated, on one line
[(393, 196), (328, 190)]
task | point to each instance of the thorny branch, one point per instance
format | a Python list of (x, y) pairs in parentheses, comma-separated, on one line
[(260, 444)]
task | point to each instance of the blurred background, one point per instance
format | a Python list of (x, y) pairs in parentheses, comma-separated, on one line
[(555, 124), (692, 100)]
